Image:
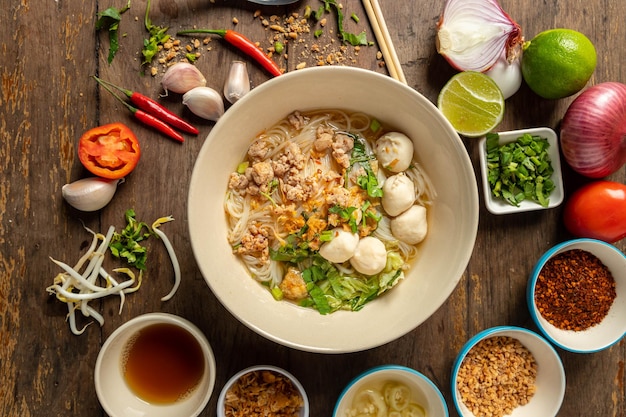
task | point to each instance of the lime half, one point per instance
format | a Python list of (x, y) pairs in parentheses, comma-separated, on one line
[(472, 102)]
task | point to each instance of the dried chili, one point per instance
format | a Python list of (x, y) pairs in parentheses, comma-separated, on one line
[(153, 107), (574, 290), (148, 119), (242, 43)]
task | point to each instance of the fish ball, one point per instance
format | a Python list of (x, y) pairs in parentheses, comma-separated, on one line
[(411, 226), (370, 257), (394, 151), (341, 247), (398, 194)]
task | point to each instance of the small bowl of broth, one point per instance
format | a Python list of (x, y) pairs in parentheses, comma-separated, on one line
[(156, 365), (391, 390)]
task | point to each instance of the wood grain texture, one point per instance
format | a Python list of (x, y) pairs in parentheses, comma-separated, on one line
[(50, 49)]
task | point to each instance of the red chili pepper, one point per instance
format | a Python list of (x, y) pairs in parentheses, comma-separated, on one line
[(153, 107), (148, 119), (242, 43)]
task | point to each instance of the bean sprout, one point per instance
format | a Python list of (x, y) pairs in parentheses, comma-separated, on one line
[(78, 285), (170, 250), (76, 288)]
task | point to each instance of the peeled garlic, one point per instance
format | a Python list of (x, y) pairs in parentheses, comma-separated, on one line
[(90, 194), (237, 84), (204, 102), (182, 77)]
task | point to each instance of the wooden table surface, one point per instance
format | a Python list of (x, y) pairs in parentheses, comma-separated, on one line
[(49, 49)]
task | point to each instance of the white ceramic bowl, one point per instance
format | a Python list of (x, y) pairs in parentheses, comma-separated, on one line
[(424, 392), (613, 327), (453, 217), (499, 206), (304, 411), (116, 397), (549, 383)]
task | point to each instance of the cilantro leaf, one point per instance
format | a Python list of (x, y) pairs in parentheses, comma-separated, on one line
[(158, 36), (125, 245), (351, 38), (110, 19)]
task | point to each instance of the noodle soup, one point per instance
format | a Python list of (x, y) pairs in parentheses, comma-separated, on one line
[(328, 209)]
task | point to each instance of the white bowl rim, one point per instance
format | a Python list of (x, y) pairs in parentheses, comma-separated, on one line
[(493, 331), (274, 368), (392, 367), (501, 207), (158, 317), (532, 283), (470, 228)]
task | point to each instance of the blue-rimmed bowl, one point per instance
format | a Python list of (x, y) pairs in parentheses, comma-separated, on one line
[(549, 383), (423, 391), (613, 327)]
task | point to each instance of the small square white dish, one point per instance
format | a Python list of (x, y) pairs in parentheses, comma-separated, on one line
[(500, 206)]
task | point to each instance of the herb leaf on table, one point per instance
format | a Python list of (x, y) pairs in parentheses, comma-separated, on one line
[(110, 19)]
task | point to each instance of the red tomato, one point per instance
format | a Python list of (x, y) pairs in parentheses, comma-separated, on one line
[(109, 151), (597, 210)]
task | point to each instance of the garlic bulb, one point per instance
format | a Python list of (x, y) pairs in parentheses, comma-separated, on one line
[(204, 102), (90, 194), (182, 77), (472, 34), (237, 84)]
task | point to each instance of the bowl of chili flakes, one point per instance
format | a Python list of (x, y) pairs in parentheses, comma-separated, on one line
[(576, 295), (265, 389)]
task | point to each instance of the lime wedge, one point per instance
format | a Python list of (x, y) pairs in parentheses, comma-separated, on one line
[(472, 102)]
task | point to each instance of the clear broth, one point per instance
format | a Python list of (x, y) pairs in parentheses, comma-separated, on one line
[(163, 363)]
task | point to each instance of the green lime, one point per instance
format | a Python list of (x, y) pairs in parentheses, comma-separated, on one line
[(472, 102), (558, 62)]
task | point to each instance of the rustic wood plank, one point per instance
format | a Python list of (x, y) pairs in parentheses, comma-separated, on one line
[(50, 50)]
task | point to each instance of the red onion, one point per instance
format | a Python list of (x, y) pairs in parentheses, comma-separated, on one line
[(472, 34), (593, 131)]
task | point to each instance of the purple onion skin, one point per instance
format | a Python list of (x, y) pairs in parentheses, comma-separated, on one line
[(593, 131)]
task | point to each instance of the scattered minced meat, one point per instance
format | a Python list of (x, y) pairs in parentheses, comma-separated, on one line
[(497, 375), (263, 393)]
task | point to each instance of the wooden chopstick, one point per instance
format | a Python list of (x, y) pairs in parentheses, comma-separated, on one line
[(375, 16)]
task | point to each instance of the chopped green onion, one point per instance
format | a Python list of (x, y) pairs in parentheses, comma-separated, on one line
[(375, 125), (519, 170)]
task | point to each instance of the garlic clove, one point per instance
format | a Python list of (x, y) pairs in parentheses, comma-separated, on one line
[(90, 194), (204, 102), (472, 34), (508, 75), (182, 77), (237, 84)]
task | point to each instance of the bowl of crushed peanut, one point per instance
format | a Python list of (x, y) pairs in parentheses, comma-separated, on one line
[(508, 370), (577, 295), (263, 390)]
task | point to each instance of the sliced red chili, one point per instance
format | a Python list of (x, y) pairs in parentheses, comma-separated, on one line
[(109, 151), (244, 44)]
